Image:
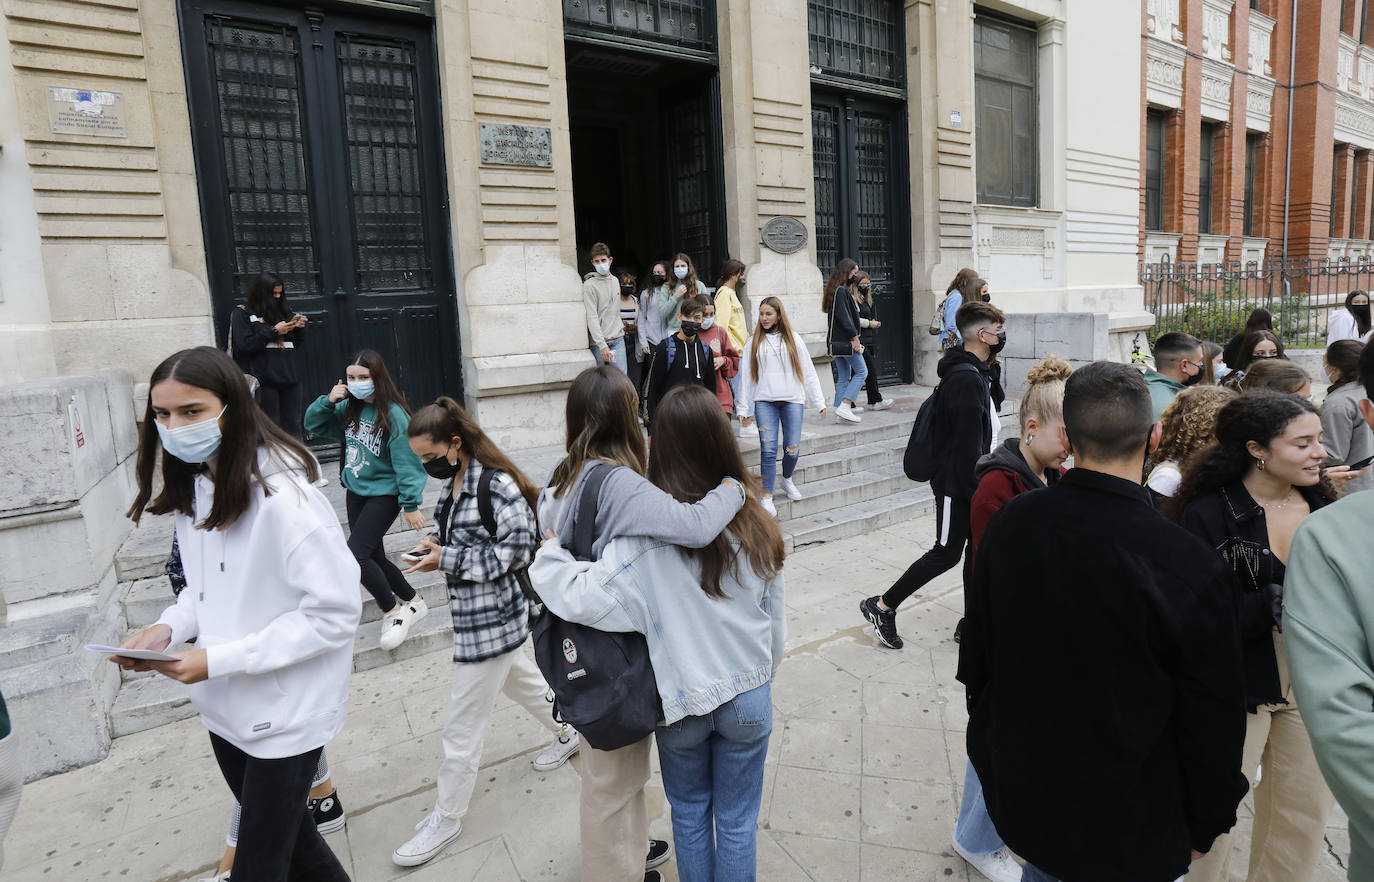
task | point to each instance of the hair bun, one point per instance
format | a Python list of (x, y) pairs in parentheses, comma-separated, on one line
[(1048, 370)]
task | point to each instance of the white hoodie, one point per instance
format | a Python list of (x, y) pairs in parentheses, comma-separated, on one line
[(274, 602), (777, 381)]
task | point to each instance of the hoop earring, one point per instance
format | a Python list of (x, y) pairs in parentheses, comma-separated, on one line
[(1030, 439)]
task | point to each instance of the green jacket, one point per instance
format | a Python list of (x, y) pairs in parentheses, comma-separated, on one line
[(1328, 625), (376, 463), (1163, 390)]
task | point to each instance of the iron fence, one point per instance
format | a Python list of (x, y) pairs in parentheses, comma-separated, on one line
[(1212, 300)]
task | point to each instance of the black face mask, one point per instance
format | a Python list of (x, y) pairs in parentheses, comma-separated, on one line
[(1194, 379), (1360, 311), (627, 290), (1001, 342), (690, 328), (660, 279), (864, 288), (987, 298), (440, 468), (852, 279)]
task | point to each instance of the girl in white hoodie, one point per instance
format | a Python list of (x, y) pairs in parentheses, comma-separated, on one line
[(271, 601), (776, 380)]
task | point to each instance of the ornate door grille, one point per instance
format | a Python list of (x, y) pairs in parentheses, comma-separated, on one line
[(653, 24)]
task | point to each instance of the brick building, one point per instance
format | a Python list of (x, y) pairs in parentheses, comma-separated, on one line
[(1220, 86)]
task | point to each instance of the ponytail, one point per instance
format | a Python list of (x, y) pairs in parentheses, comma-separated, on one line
[(445, 419)]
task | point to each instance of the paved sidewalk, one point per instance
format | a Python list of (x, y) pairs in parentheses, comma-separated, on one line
[(863, 775)]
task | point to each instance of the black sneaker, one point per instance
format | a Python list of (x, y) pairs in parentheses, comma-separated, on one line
[(884, 621), (328, 812), (659, 852)]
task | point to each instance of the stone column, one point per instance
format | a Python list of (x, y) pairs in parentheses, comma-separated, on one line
[(1343, 188)]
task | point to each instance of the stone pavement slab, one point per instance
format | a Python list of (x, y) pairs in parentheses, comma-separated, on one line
[(862, 780)]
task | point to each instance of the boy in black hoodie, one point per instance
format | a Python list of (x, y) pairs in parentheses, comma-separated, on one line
[(970, 394), (682, 357)]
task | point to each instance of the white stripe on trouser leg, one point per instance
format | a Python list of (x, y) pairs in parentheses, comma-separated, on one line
[(944, 520), (11, 787)]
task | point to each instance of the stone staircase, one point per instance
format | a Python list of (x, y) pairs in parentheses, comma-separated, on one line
[(850, 475)]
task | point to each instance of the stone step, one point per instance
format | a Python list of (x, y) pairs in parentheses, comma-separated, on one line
[(842, 491), (45, 637), (833, 463), (917, 501)]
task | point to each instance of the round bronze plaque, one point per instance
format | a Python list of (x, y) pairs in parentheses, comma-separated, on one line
[(785, 235)]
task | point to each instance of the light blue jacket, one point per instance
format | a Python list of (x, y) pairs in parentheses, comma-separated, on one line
[(705, 651), (950, 336)]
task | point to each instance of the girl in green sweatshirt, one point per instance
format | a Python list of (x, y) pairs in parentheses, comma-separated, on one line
[(383, 477)]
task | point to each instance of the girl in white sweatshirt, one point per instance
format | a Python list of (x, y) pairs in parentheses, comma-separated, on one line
[(776, 380), (271, 601)]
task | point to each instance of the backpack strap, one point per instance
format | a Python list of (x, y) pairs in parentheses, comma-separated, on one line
[(484, 506), (584, 516)]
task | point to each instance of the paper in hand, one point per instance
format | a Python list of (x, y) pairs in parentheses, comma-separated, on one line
[(139, 654)]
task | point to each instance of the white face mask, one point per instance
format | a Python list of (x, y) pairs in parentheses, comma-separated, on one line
[(602, 267), (194, 442), (680, 272)]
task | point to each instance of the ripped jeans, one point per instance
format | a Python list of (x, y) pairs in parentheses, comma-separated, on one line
[(772, 416)]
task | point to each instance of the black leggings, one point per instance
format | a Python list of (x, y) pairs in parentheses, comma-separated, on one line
[(871, 384), (278, 841), (369, 517), (282, 403), (952, 531)]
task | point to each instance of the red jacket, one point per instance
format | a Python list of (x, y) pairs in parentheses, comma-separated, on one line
[(718, 339), (994, 491)]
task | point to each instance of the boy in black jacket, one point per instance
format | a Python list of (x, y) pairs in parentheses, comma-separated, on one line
[(970, 394), (681, 357), (1102, 661)]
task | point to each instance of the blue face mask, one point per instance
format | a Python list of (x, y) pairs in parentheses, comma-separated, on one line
[(193, 443), (680, 272), (361, 389), (706, 323), (1222, 371), (603, 267)]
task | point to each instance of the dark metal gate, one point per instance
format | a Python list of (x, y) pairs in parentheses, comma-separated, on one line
[(319, 157), (861, 211), (696, 185)]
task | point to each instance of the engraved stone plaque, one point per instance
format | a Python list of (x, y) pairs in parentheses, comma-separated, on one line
[(785, 235), (86, 112), (529, 146)]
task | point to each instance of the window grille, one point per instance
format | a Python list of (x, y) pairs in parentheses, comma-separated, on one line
[(858, 40)]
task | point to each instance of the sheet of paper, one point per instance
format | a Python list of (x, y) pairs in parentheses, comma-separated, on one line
[(140, 654)]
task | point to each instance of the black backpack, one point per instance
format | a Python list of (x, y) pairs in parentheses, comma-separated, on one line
[(926, 450), (603, 682), (488, 515)]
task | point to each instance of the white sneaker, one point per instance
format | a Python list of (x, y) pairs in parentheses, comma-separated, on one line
[(221, 877), (398, 624), (857, 408), (846, 412), (791, 489), (560, 751), (881, 405), (999, 866), (768, 506), (436, 834)]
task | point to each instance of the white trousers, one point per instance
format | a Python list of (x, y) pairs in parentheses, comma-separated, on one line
[(475, 687)]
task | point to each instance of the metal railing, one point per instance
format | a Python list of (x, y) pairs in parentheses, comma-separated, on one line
[(684, 24), (1211, 301)]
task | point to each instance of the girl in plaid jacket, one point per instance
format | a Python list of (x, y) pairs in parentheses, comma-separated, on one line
[(490, 613)]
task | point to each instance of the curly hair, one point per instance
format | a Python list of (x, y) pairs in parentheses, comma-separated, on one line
[(1189, 423), (1044, 396), (1256, 416)]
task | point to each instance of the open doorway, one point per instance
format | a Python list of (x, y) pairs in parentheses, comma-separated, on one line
[(646, 157)]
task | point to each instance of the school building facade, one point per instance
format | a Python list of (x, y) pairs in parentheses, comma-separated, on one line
[(427, 175), (1257, 130)]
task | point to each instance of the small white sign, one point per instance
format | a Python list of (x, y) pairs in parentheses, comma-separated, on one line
[(86, 112), (74, 415), (956, 118)]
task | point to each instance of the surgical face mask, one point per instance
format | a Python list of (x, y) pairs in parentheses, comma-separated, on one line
[(706, 323), (690, 328), (192, 443), (659, 278), (627, 290), (1222, 371), (1194, 379), (361, 389), (602, 267), (680, 272), (1360, 310), (440, 468), (1001, 341)]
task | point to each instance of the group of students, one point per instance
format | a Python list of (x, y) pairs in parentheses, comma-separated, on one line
[(268, 603)]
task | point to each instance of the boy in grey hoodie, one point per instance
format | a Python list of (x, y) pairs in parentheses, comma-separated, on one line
[(601, 301)]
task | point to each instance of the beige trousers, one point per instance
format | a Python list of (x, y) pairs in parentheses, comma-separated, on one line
[(615, 820), (1292, 801)]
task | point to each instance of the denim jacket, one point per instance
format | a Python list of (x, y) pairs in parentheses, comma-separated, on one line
[(705, 651), (1232, 522)]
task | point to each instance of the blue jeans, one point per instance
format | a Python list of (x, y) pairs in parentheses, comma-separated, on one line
[(770, 416), (974, 831), (617, 348), (734, 393), (850, 377), (713, 775), (1031, 873)]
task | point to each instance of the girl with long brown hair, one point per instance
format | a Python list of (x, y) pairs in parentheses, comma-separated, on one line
[(843, 344), (777, 380), (382, 478), (715, 625), (684, 283), (270, 599), (605, 444), (965, 287), (480, 559)]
